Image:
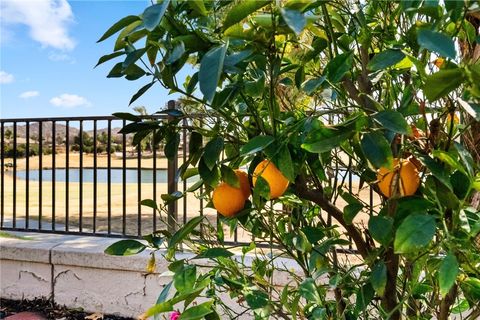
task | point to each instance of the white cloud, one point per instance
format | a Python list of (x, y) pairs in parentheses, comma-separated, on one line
[(47, 20), (6, 77), (29, 94), (60, 56), (67, 100)]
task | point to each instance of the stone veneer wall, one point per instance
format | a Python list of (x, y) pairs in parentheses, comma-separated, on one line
[(75, 271)]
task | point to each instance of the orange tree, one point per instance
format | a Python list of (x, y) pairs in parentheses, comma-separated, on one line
[(385, 90)]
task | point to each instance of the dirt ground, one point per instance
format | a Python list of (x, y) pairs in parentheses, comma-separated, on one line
[(88, 159)]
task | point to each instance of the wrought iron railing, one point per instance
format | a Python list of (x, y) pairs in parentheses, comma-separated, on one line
[(78, 175), (44, 187)]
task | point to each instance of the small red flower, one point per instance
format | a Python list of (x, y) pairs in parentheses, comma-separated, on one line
[(175, 315)]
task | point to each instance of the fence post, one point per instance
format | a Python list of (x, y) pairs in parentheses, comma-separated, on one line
[(172, 184)]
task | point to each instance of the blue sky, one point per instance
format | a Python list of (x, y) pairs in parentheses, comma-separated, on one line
[(47, 53)]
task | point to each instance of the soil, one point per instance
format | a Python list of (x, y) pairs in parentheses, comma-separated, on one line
[(49, 310)]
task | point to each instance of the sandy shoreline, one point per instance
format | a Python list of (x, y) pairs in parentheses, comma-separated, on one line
[(88, 161)]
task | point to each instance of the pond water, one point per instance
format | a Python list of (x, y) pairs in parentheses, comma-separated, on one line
[(131, 175)]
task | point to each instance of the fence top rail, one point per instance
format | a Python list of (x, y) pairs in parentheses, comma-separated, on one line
[(82, 118), (96, 118)]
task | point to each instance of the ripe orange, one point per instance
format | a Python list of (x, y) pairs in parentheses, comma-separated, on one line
[(244, 184), (439, 62), (405, 173), (228, 200), (276, 180)]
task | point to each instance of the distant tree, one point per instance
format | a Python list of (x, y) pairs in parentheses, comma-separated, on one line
[(8, 134), (103, 138), (86, 141)]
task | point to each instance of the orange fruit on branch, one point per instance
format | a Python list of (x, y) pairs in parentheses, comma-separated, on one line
[(403, 180), (228, 200), (276, 180)]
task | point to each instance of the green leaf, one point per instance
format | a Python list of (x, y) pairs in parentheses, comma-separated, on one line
[(149, 203), (159, 308), (350, 211), (172, 197), (198, 6), (381, 229), (284, 162), (410, 205), (241, 10), (108, 57), (181, 234), (162, 298), (448, 158), (378, 278), (229, 176), (311, 85), (447, 273), (127, 116), (211, 177), (171, 112), (470, 108), (301, 243), (415, 233), (471, 289), (132, 57), (164, 294), (294, 19), (308, 290), (256, 299), (364, 295), (325, 140), (437, 42), (256, 144), (197, 312), (441, 83), (385, 59), (133, 72), (117, 71), (184, 279), (210, 70), (466, 157), (299, 77), (437, 170), (140, 92), (212, 152), (125, 248), (339, 66), (212, 253), (177, 51), (121, 42), (377, 149), (195, 143), (352, 208), (119, 25), (171, 146), (154, 14), (261, 191), (393, 121), (462, 305)]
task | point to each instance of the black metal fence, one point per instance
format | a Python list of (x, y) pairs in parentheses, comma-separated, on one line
[(79, 175)]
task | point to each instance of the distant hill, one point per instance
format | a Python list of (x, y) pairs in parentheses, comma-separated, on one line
[(60, 132)]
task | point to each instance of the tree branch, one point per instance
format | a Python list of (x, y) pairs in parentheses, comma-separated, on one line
[(317, 196)]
